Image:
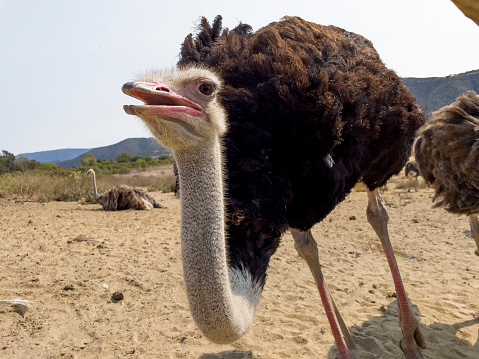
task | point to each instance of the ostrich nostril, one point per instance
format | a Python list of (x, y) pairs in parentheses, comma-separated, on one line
[(163, 88)]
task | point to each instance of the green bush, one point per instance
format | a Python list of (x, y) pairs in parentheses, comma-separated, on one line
[(45, 166)]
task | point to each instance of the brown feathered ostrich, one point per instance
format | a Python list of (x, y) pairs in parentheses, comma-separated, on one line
[(470, 8), (270, 131), (123, 197), (411, 171), (447, 153)]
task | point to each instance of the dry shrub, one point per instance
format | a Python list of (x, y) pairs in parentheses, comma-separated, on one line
[(43, 186), (72, 186)]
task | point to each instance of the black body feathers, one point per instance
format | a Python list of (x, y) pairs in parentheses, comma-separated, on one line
[(311, 111)]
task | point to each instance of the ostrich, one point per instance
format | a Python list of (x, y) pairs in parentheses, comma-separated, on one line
[(412, 171), (447, 153), (123, 197), (470, 8), (270, 131)]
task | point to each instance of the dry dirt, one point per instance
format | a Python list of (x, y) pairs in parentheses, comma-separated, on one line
[(69, 259)]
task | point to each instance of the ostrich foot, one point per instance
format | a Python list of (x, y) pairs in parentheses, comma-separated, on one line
[(411, 351), (413, 340), (350, 355), (411, 348)]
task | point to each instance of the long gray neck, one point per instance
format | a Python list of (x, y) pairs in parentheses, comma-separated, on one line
[(222, 300), (95, 192)]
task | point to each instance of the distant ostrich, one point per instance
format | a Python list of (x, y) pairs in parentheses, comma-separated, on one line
[(293, 115), (447, 153), (123, 197), (413, 172)]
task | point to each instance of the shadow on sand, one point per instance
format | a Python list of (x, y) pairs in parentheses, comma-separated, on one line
[(380, 336)]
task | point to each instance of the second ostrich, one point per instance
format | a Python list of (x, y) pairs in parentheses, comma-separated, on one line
[(270, 131), (411, 171), (123, 197), (447, 153)]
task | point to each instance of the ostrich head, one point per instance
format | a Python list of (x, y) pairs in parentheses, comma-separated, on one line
[(181, 107), (90, 171)]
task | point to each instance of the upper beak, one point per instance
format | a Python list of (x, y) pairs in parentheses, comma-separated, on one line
[(158, 98)]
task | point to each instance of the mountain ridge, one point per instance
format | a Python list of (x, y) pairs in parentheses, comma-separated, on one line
[(432, 93), (58, 155), (72, 157), (135, 146)]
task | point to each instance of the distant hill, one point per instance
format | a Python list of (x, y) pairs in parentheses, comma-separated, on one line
[(55, 155), (134, 146), (432, 93)]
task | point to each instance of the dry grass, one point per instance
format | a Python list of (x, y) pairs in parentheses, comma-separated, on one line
[(406, 183), (75, 186), (43, 186)]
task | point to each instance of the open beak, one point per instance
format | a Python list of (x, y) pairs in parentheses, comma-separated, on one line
[(159, 99)]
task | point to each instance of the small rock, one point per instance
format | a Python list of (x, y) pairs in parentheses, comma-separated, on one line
[(117, 296), (355, 254), (68, 287), (20, 309), (352, 218)]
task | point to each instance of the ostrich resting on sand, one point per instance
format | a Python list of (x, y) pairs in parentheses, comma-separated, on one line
[(123, 197), (273, 138), (447, 153)]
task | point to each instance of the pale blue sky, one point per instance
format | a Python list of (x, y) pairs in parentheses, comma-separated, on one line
[(63, 62)]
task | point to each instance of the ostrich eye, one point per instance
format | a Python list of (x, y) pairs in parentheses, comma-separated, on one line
[(207, 89)]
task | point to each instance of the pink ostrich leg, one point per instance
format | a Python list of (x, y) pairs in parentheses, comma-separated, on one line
[(308, 250), (412, 339)]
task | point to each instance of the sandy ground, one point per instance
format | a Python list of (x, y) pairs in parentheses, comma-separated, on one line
[(44, 259)]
